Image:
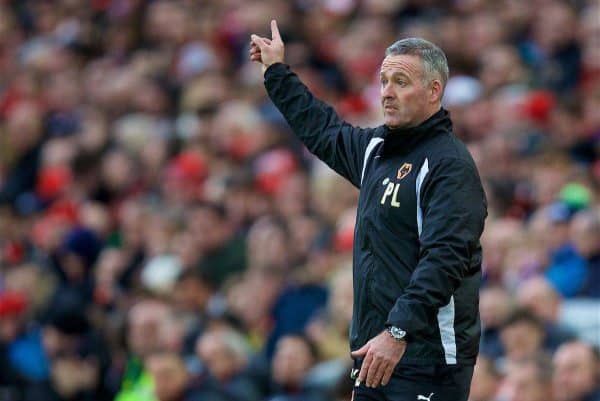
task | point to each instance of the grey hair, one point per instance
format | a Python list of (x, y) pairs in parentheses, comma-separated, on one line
[(234, 342), (435, 64)]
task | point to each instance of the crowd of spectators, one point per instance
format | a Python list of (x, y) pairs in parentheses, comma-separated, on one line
[(164, 237)]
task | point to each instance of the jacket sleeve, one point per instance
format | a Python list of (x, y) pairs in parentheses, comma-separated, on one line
[(340, 145), (453, 208)]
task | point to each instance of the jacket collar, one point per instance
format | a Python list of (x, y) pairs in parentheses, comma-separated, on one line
[(403, 140)]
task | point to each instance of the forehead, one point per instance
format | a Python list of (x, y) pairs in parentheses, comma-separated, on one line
[(573, 354), (402, 63)]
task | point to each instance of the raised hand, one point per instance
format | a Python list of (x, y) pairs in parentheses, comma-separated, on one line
[(267, 51)]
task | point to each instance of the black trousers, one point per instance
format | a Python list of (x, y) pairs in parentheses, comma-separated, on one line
[(421, 383)]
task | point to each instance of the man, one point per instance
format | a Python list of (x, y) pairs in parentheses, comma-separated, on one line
[(294, 357), (528, 380), (225, 354), (576, 373), (537, 295), (486, 380), (172, 382), (417, 258), (144, 322), (585, 234), (522, 335), (495, 306)]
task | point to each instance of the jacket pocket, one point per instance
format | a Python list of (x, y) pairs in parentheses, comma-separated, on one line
[(382, 291), (370, 319)]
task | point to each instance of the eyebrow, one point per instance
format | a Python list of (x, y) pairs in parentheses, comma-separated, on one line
[(382, 74)]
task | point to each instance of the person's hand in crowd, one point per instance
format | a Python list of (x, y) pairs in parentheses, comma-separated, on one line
[(380, 356), (267, 51)]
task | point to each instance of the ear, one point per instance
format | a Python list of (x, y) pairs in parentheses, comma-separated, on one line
[(435, 91)]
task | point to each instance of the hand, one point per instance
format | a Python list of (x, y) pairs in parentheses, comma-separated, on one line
[(267, 51), (381, 355)]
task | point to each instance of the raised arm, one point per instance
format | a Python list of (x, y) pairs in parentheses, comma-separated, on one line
[(317, 125)]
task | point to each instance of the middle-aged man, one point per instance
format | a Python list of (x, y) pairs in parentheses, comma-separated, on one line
[(417, 257), (528, 379), (576, 372)]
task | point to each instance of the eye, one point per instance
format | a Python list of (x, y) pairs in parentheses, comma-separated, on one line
[(383, 81), (401, 82)]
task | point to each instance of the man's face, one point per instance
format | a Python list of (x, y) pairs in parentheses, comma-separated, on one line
[(521, 339), (494, 306), (145, 322), (170, 376), (191, 295), (291, 362), (219, 360), (404, 97), (539, 297), (522, 384), (574, 373)]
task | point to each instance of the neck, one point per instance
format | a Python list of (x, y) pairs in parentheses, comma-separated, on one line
[(430, 113)]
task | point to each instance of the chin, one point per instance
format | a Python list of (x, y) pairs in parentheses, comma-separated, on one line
[(393, 124), (393, 121)]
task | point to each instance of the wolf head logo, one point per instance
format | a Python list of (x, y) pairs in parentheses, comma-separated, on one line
[(404, 170)]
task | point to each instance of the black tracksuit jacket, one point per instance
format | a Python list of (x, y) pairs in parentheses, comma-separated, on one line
[(421, 211)]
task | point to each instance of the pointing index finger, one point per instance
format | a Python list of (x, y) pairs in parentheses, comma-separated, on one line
[(275, 31)]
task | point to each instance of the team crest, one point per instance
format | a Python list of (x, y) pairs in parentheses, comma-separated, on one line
[(404, 170)]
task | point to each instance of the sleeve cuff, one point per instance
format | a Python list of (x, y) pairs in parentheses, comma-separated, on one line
[(275, 68)]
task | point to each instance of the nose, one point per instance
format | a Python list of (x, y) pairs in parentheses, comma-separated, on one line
[(386, 91)]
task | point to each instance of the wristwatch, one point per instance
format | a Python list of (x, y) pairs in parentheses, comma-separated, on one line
[(397, 333)]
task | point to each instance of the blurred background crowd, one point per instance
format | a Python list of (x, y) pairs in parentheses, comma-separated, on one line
[(164, 237)]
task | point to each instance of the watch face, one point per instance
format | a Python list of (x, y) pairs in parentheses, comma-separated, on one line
[(397, 332)]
